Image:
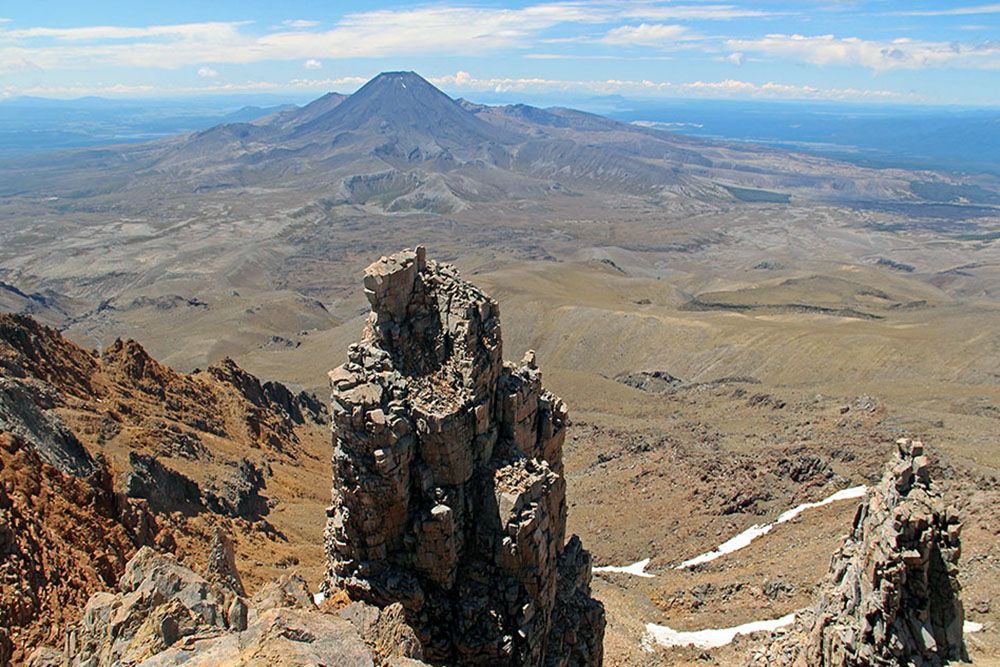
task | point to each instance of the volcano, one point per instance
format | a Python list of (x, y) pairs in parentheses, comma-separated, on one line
[(402, 107), (400, 145)]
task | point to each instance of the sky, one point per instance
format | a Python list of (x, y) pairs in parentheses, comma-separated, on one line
[(878, 51)]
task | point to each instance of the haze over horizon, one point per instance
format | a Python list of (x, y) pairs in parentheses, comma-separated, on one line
[(868, 51)]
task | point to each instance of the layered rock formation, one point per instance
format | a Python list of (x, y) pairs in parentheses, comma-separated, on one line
[(892, 594), (448, 491)]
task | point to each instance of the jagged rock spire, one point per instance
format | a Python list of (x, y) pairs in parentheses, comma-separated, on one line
[(892, 593), (448, 493)]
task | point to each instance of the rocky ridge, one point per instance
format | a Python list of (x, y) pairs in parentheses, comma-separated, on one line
[(61, 537), (104, 452), (448, 490), (891, 596)]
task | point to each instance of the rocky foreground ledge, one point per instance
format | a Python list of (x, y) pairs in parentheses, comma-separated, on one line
[(448, 487)]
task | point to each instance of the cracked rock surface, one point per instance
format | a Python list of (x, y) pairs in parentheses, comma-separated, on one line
[(448, 487), (891, 596)]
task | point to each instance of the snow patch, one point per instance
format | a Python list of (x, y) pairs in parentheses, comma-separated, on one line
[(637, 569), (971, 626), (318, 598), (753, 532), (712, 637)]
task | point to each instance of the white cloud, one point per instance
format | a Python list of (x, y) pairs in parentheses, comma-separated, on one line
[(327, 84), (132, 90), (207, 73), (434, 29), (12, 62), (189, 31), (438, 29), (299, 23), (441, 29), (953, 11), (645, 34), (161, 47), (80, 91), (900, 53), (464, 81), (591, 56), (714, 89), (649, 11)]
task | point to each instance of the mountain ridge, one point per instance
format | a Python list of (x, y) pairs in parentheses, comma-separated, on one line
[(420, 151)]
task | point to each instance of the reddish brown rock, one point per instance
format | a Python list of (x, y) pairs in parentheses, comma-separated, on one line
[(60, 540), (179, 455)]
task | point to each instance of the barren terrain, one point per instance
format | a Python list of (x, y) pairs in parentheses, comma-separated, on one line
[(804, 337)]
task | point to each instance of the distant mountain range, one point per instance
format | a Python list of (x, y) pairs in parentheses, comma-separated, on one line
[(399, 144)]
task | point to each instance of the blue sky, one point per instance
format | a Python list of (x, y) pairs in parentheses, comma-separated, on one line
[(882, 51)]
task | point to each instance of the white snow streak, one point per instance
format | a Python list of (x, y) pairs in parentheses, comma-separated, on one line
[(971, 626), (755, 531), (712, 637), (637, 569)]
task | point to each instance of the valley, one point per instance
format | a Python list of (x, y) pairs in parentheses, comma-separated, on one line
[(802, 337)]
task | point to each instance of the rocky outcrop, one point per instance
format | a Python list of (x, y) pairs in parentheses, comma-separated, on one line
[(31, 350), (22, 414), (892, 594), (238, 494), (221, 569), (448, 493), (272, 396), (165, 489), (655, 382), (165, 614), (61, 538), (300, 407), (101, 453)]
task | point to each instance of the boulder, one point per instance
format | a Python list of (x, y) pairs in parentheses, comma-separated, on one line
[(165, 614)]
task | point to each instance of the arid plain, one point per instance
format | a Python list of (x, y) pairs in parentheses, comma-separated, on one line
[(723, 360)]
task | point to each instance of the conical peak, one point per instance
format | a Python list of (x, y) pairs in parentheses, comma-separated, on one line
[(398, 81)]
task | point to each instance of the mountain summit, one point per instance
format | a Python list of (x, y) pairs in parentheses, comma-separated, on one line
[(407, 109)]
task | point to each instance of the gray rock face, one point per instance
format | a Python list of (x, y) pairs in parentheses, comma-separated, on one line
[(23, 412), (238, 495), (164, 488), (655, 382), (892, 594), (221, 568), (448, 492), (165, 614)]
